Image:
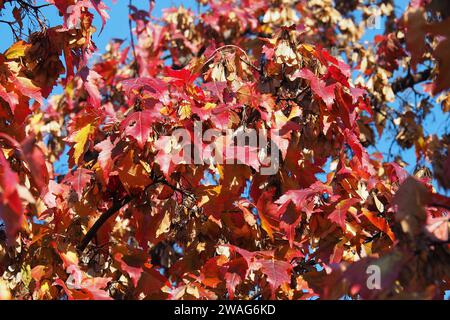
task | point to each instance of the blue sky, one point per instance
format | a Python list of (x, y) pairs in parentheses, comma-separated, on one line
[(117, 27)]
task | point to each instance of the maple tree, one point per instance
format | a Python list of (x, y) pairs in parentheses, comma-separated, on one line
[(126, 222)]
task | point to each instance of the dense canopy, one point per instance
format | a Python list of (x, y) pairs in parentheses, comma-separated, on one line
[(306, 212)]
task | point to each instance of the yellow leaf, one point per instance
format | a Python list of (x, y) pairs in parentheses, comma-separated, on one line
[(201, 246), (210, 193), (5, 294), (146, 166), (209, 105), (80, 139), (165, 111), (185, 111), (281, 119), (26, 275), (193, 291), (17, 50), (45, 289), (378, 203), (69, 258), (308, 47), (164, 226), (266, 226)]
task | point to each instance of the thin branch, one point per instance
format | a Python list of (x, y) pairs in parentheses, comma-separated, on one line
[(133, 48), (100, 221), (401, 84), (117, 205), (10, 24), (26, 4), (228, 46), (440, 205)]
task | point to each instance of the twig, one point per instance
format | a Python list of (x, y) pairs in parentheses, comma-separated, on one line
[(228, 46), (401, 84), (440, 205), (26, 4), (133, 48), (100, 221), (117, 205), (10, 24)]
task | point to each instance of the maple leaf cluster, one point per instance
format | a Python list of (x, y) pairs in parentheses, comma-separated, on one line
[(128, 222)]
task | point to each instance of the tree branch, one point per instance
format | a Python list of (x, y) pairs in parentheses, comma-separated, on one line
[(440, 205), (11, 26), (117, 205), (130, 25), (401, 84), (23, 3)]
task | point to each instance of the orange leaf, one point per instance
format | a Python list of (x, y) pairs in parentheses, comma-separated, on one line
[(17, 50), (380, 223)]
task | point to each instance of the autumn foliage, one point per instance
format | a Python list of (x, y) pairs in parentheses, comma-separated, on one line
[(126, 222)]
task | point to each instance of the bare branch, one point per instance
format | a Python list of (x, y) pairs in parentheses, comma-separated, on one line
[(401, 84), (100, 221), (130, 25)]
